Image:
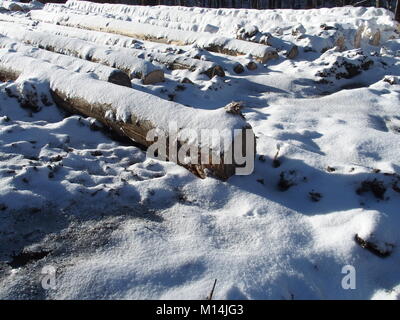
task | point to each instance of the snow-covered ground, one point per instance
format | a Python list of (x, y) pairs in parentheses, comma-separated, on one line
[(114, 223)]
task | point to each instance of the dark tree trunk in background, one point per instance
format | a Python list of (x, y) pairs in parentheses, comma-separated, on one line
[(378, 3), (397, 11)]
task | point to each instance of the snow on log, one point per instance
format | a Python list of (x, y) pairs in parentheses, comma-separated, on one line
[(135, 114), (226, 21), (150, 32), (173, 61), (134, 67), (101, 72)]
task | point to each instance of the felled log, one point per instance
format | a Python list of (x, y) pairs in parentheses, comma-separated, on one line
[(174, 61), (134, 114), (101, 72), (154, 33), (134, 67)]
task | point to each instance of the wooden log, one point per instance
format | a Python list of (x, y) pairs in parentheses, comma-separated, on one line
[(134, 67), (132, 113), (154, 33), (101, 72), (174, 61)]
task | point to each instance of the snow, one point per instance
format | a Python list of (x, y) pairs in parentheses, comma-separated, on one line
[(134, 67), (118, 224), (136, 47), (227, 20), (148, 31), (19, 6), (99, 71)]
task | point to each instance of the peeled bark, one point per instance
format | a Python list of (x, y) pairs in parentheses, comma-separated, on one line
[(376, 38), (358, 37)]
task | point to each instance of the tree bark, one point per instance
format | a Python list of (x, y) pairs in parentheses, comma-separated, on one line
[(397, 11)]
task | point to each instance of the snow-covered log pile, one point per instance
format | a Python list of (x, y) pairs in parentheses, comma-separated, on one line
[(134, 113), (342, 65), (173, 61), (220, 44), (317, 30), (134, 67), (251, 33), (227, 21), (99, 71)]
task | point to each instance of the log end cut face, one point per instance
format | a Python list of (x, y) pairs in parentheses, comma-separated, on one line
[(120, 78), (153, 77), (269, 55)]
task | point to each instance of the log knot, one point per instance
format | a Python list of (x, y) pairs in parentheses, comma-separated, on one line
[(235, 108)]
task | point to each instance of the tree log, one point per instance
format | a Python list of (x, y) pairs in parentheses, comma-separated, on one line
[(133, 113)]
